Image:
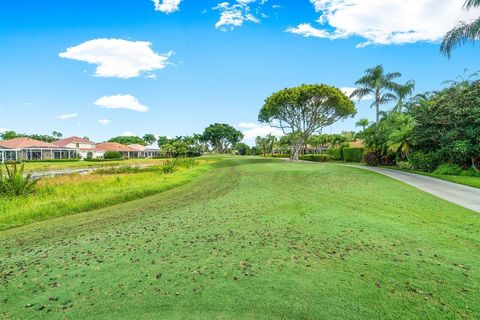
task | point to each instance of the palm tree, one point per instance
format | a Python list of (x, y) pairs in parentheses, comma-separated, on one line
[(402, 92), (399, 138), (463, 32), (378, 84), (362, 123)]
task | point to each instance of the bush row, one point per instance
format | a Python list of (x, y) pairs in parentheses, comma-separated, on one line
[(317, 157)]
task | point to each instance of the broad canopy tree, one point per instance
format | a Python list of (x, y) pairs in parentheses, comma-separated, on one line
[(304, 110), (222, 136)]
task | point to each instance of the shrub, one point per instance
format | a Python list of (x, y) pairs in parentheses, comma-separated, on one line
[(422, 161), (470, 173), (336, 153), (405, 165), (353, 154), (317, 157), (448, 169), (169, 167), (15, 182), (112, 155), (372, 159), (89, 155), (122, 170)]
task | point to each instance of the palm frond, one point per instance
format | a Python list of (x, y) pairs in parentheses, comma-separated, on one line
[(463, 33), (469, 4)]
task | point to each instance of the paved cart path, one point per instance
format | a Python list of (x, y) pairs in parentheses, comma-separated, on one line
[(464, 196)]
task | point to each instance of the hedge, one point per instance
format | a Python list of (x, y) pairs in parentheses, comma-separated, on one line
[(353, 154), (336, 153), (317, 157)]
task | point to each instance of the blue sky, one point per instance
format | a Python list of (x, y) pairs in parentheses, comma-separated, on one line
[(195, 62)]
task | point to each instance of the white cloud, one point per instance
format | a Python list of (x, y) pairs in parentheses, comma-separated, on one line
[(234, 15), (118, 58), (121, 101), (348, 91), (127, 134), (386, 22), (253, 130), (167, 6), (67, 116), (104, 122), (3, 130), (306, 30)]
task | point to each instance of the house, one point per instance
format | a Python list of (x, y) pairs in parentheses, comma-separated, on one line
[(83, 146), (145, 152), (126, 151), (30, 149)]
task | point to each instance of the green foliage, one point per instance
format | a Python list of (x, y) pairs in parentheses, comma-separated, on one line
[(372, 158), (266, 144), (112, 155), (317, 157), (126, 140), (378, 84), (149, 139), (406, 165), (423, 161), (7, 135), (169, 167), (279, 155), (448, 169), (243, 149), (14, 182), (304, 110), (448, 124), (180, 148), (336, 153), (222, 136), (353, 154), (89, 155), (185, 162)]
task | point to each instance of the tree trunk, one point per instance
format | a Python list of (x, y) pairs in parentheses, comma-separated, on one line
[(474, 165), (296, 151)]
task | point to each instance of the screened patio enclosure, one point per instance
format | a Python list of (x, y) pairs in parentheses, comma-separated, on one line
[(36, 154)]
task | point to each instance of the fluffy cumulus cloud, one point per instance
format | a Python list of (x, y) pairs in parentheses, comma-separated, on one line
[(235, 14), (103, 122), (383, 22), (67, 116), (3, 130), (128, 134), (121, 101), (348, 91), (119, 58), (167, 6), (253, 130)]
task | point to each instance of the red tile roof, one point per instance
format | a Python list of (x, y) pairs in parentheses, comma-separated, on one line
[(24, 143), (67, 141), (113, 146)]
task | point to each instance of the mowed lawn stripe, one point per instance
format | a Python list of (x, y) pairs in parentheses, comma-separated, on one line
[(260, 239)]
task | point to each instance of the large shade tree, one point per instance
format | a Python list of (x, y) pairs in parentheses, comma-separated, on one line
[(222, 136), (304, 110), (465, 31), (378, 84)]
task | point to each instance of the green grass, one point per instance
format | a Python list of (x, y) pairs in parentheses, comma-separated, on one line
[(252, 239), (49, 166), (69, 194)]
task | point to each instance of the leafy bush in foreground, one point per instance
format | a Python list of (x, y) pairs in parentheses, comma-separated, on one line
[(448, 169), (15, 182), (353, 154), (317, 157), (405, 165), (169, 167)]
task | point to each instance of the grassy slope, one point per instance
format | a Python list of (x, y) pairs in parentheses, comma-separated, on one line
[(69, 194), (49, 166), (252, 239)]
